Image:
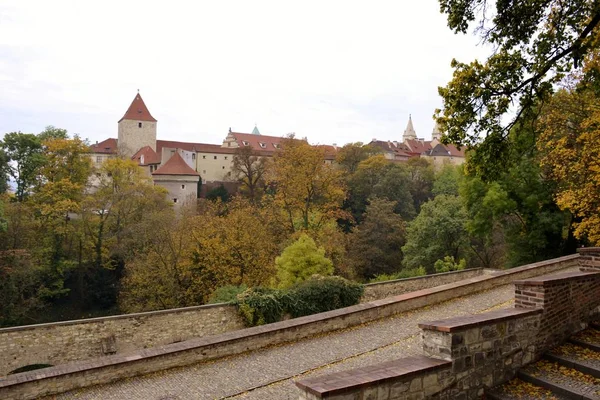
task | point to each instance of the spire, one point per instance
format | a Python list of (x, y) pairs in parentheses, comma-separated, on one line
[(138, 111), (255, 130), (409, 132)]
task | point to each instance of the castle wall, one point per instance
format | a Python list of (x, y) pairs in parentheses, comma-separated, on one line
[(214, 167), (132, 137)]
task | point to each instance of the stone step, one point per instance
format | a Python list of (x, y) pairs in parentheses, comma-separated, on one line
[(561, 380), (577, 357), (589, 338), (517, 389)]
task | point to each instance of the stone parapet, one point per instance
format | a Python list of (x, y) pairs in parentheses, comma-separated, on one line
[(589, 257)]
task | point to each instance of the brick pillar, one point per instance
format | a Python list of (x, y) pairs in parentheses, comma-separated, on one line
[(589, 258)]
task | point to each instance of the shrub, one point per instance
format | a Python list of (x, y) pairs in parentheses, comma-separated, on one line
[(448, 264), (405, 273), (259, 306), (226, 294), (301, 260), (320, 294)]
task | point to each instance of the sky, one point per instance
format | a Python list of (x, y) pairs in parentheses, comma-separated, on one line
[(331, 71)]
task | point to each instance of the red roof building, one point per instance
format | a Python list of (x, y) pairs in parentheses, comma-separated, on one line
[(176, 165)]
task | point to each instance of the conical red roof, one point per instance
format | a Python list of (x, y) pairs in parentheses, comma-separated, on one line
[(138, 111), (175, 166)]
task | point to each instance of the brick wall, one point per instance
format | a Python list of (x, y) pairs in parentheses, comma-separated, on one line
[(589, 257), (568, 302)]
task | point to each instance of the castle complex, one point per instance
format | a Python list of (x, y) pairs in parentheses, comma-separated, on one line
[(180, 166)]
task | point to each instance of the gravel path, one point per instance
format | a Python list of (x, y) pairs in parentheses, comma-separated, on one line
[(269, 373)]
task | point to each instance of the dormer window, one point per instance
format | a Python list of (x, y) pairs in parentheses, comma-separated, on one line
[(262, 145), (276, 145), (245, 143), (139, 124)]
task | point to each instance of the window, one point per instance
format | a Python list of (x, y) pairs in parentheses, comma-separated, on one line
[(215, 157), (98, 159), (203, 171), (204, 157), (139, 124), (262, 145), (223, 167), (193, 156), (183, 186), (172, 152), (245, 143), (174, 200), (226, 157)]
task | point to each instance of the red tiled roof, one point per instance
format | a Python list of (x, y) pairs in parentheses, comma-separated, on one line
[(248, 139), (150, 156), (454, 151), (108, 146), (175, 166), (418, 146), (138, 111), (199, 147)]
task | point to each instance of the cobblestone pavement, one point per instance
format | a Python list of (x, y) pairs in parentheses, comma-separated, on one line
[(269, 373)]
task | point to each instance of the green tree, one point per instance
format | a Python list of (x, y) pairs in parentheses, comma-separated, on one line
[(352, 154), (52, 133), (447, 180), (4, 171), (301, 260), (438, 231), (421, 175), (218, 193), (375, 246), (535, 42), (25, 152)]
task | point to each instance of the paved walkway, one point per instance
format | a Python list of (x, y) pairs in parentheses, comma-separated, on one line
[(269, 373)]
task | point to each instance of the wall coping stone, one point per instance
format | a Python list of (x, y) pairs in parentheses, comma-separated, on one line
[(423, 277), (472, 321), (588, 250), (329, 385), (242, 334), (112, 317), (556, 278)]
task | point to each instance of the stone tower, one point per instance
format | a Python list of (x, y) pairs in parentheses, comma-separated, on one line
[(137, 128), (409, 132), (436, 133)]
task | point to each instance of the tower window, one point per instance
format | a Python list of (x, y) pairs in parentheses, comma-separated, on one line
[(183, 186), (139, 124), (174, 200), (193, 156), (204, 157), (226, 157), (215, 157)]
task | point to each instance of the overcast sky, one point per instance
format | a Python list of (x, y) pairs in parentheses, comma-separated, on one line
[(333, 71)]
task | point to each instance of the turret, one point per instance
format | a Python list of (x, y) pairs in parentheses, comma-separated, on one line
[(137, 128)]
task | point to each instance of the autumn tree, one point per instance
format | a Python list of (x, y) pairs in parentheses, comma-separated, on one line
[(570, 144), (535, 43), (301, 260), (308, 190), (249, 169), (187, 259), (375, 246)]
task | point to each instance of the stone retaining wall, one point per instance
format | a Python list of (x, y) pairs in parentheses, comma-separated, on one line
[(29, 385), (589, 257), (62, 342), (381, 290), (481, 351)]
